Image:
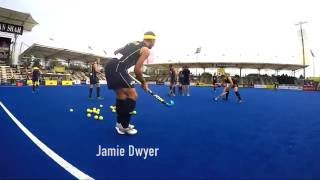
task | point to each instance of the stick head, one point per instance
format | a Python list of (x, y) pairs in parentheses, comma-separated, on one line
[(170, 103)]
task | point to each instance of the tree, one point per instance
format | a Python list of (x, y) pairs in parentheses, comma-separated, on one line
[(36, 62), (25, 62), (77, 67), (301, 77), (54, 63)]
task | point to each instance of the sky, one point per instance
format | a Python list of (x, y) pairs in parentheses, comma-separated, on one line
[(227, 31)]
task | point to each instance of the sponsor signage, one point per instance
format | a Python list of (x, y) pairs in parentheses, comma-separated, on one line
[(10, 28)]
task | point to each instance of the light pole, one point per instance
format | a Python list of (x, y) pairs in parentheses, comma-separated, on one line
[(314, 65), (198, 51), (302, 42), (314, 68)]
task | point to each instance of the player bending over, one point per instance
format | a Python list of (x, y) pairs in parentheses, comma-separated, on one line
[(133, 54), (229, 83)]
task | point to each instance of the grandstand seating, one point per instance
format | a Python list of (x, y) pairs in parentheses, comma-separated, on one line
[(205, 78), (268, 80), (285, 79), (10, 74), (248, 80), (160, 78)]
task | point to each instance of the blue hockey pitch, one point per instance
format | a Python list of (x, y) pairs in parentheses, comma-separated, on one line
[(272, 134)]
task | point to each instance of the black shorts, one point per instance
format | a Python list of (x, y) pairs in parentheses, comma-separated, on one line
[(185, 82), (35, 79), (180, 80), (94, 80), (117, 76)]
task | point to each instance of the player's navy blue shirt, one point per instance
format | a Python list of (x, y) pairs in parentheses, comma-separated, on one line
[(130, 54)]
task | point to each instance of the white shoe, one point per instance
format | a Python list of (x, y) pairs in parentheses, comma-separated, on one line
[(130, 130), (119, 131), (131, 126), (133, 113), (188, 94), (216, 99), (126, 131)]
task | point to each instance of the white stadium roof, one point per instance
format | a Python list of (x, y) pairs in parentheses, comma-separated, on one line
[(242, 65), (17, 18), (46, 52)]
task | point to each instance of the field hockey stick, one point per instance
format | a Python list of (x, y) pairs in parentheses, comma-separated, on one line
[(160, 99)]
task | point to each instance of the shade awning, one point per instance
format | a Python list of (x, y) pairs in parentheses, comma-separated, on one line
[(47, 52), (17, 18), (242, 65)]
